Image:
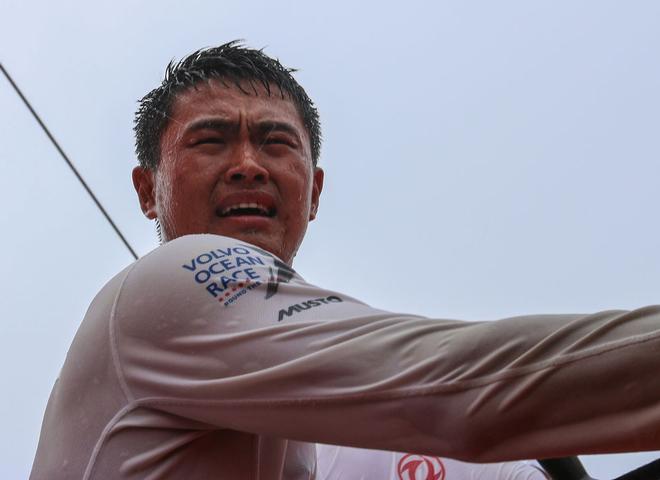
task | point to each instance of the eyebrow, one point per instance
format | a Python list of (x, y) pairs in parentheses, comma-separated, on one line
[(222, 125), (217, 124)]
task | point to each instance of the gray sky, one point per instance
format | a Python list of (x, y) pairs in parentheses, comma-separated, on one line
[(483, 159)]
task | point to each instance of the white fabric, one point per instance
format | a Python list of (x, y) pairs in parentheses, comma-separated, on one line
[(345, 463), (200, 359)]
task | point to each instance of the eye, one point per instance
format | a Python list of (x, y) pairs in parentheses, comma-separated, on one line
[(210, 140), (279, 140)]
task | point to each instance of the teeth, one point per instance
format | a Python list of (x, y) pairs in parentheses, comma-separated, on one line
[(245, 205)]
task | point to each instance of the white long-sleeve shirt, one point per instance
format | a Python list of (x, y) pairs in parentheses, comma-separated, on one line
[(201, 358), (346, 463)]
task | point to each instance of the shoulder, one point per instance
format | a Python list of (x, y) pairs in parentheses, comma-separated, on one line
[(201, 257), (206, 285), (197, 277), (193, 277), (202, 260)]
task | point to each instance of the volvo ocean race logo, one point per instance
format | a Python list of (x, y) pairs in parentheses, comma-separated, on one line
[(229, 273)]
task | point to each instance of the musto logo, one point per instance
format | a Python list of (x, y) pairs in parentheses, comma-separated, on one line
[(419, 467), (299, 307)]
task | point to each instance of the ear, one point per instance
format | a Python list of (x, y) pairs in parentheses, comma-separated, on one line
[(317, 186), (143, 181)]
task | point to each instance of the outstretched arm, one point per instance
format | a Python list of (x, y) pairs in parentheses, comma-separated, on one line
[(318, 366)]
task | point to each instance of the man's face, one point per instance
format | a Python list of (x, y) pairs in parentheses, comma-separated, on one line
[(236, 165)]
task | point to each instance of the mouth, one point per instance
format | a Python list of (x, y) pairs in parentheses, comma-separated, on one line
[(246, 210)]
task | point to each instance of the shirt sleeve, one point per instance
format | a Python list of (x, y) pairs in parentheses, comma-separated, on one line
[(220, 332)]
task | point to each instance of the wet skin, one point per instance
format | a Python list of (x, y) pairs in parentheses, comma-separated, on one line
[(223, 148)]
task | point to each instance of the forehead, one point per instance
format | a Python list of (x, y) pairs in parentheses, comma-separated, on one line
[(251, 103)]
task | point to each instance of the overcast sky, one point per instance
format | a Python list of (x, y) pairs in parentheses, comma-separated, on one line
[(483, 159)]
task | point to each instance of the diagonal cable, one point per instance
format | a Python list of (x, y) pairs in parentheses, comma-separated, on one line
[(66, 159)]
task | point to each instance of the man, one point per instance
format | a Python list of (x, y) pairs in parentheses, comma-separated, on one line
[(211, 357)]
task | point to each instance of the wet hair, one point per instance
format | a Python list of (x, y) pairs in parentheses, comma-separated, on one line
[(229, 63)]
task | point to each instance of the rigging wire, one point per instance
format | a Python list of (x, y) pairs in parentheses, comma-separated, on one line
[(66, 159)]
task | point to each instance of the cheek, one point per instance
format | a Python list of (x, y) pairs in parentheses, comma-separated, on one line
[(162, 185), (298, 204), (173, 189), (186, 182), (164, 201)]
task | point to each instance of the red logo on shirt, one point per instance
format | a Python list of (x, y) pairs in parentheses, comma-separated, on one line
[(419, 467)]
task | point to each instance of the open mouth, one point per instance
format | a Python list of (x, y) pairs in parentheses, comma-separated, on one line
[(246, 209)]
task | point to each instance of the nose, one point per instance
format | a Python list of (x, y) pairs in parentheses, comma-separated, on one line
[(245, 167)]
